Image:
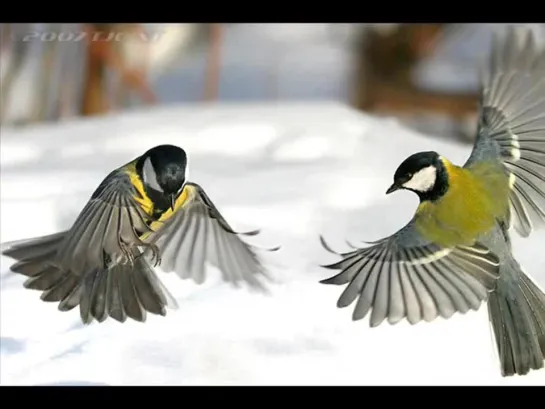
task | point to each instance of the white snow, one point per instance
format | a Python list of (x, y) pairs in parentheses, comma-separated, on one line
[(293, 170)]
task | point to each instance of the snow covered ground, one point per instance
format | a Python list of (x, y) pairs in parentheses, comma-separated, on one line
[(294, 170)]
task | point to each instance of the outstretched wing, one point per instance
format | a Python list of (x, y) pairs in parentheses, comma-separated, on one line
[(511, 124), (405, 275), (196, 234), (69, 267), (107, 227)]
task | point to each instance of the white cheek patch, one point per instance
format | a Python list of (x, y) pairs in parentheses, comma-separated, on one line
[(423, 180), (149, 175)]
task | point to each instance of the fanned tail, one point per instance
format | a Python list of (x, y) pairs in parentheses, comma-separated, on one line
[(517, 314), (119, 292), (124, 291)]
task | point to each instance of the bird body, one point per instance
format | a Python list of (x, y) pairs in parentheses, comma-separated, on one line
[(456, 253), (145, 211), (477, 197)]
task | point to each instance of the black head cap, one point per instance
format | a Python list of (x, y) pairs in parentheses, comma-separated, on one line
[(415, 163), (163, 171)]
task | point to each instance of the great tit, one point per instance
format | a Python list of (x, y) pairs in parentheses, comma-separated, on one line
[(143, 214), (456, 253)]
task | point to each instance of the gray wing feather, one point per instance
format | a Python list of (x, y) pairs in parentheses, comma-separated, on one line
[(511, 124), (73, 267), (405, 276), (109, 224), (198, 234)]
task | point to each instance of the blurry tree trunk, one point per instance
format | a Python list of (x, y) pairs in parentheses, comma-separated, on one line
[(385, 69), (136, 53), (5, 36), (213, 63), (18, 52), (41, 108), (121, 94), (65, 99), (95, 100), (71, 71), (100, 56)]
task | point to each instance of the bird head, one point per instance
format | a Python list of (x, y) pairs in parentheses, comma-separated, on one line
[(164, 172), (423, 173)]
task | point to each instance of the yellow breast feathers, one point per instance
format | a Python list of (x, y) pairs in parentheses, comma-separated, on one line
[(141, 198), (475, 199), (188, 193), (185, 197)]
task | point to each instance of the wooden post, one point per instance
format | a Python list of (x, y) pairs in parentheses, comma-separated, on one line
[(95, 100), (102, 55), (213, 63)]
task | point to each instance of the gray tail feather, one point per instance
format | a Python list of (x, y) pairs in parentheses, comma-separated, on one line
[(120, 292), (27, 249), (517, 314), (124, 291)]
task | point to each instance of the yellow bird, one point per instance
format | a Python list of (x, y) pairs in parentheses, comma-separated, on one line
[(145, 211), (456, 253)]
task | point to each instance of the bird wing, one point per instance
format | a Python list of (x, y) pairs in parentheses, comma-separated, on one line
[(511, 126), (404, 275), (197, 233), (107, 227)]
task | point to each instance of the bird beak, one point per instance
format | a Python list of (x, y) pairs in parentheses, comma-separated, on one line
[(393, 188), (172, 201)]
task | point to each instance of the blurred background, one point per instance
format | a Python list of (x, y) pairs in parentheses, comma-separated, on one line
[(425, 74)]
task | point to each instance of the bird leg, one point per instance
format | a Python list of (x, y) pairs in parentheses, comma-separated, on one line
[(127, 253), (155, 254)]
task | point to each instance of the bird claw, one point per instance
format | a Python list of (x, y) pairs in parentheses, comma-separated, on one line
[(155, 254), (130, 257)]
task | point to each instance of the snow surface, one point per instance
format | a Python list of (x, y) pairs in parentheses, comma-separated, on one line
[(294, 170)]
